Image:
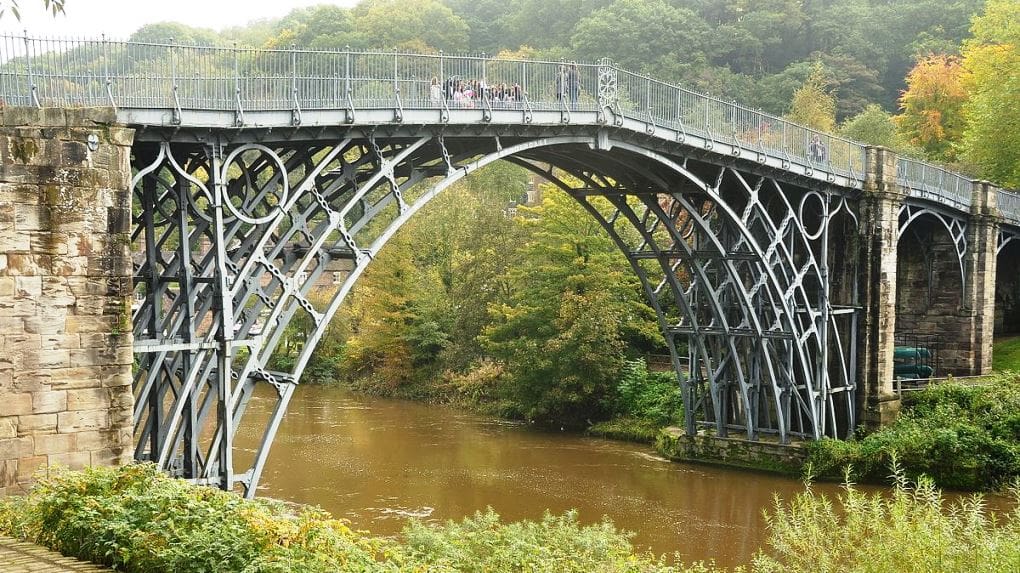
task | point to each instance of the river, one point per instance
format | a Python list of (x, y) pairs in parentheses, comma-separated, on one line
[(378, 462)]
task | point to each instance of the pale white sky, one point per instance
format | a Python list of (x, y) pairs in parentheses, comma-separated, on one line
[(119, 18)]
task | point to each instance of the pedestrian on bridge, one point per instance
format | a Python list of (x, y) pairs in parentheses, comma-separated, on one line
[(573, 85)]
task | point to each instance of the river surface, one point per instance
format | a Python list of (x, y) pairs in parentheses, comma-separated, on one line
[(378, 462)]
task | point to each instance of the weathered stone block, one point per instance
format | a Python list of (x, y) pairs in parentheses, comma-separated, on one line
[(36, 424), (88, 399), (111, 457), (122, 136), (74, 460), (31, 218), (83, 420), (97, 439), (8, 427), (28, 264), (16, 404), (60, 341), (49, 402), (88, 116), (54, 358), (32, 380), (15, 116), (8, 473), (12, 241), (117, 380), (10, 326), (54, 444), (28, 466), (14, 448)]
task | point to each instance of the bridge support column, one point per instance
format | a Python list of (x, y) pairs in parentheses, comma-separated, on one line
[(877, 405), (980, 268), (65, 291)]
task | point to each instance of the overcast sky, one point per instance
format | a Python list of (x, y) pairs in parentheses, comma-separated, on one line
[(119, 18)]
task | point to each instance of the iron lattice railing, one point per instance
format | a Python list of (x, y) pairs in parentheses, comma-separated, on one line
[(138, 75)]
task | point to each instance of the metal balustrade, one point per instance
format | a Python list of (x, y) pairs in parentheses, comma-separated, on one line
[(138, 75), (927, 181), (1009, 205)]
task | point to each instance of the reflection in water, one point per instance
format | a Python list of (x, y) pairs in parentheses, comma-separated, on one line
[(378, 462)]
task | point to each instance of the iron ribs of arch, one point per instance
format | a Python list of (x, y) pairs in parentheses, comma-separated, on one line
[(237, 240)]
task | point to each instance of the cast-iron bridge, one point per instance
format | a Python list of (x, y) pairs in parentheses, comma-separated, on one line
[(769, 251)]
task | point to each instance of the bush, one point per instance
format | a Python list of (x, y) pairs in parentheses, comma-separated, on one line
[(136, 519), (556, 544), (911, 530), (653, 397), (964, 437)]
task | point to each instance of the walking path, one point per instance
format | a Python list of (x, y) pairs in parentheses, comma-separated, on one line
[(23, 557)]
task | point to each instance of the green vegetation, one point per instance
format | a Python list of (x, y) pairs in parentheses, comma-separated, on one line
[(964, 437), (914, 529), (139, 520), (1006, 354)]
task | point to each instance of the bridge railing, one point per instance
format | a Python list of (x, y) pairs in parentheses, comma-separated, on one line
[(927, 181), (1009, 205), (85, 72), (735, 126)]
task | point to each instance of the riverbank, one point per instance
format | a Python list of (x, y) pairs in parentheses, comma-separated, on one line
[(965, 437), (136, 519)]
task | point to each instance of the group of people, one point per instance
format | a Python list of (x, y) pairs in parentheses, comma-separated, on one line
[(462, 93), (817, 150), (568, 84), (467, 93)]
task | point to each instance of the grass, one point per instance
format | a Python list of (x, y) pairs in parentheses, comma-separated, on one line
[(1006, 354)]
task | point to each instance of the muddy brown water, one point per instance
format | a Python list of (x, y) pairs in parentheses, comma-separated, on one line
[(378, 462)]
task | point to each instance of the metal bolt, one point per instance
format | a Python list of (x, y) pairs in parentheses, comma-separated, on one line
[(92, 141)]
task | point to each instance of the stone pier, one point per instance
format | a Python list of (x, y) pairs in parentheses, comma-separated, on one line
[(880, 204), (65, 291)]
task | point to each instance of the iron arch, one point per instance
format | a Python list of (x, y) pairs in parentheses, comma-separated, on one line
[(754, 327)]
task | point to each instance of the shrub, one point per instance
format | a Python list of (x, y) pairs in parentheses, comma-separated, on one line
[(556, 544), (136, 519), (648, 396), (963, 437), (911, 530)]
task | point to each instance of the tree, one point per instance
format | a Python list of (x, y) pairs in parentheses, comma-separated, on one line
[(932, 106), (574, 311), (182, 34), (649, 36), (321, 27), (874, 126), (991, 60), (813, 104), (422, 25)]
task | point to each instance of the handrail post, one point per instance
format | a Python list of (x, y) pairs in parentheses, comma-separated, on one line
[(296, 111), (398, 113), (176, 112), (106, 72), (348, 90), (33, 97), (238, 107)]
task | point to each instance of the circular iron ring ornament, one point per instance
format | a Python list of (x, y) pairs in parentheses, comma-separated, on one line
[(821, 215), (282, 198)]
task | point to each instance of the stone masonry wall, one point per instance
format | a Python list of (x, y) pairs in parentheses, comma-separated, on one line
[(930, 298), (65, 287)]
